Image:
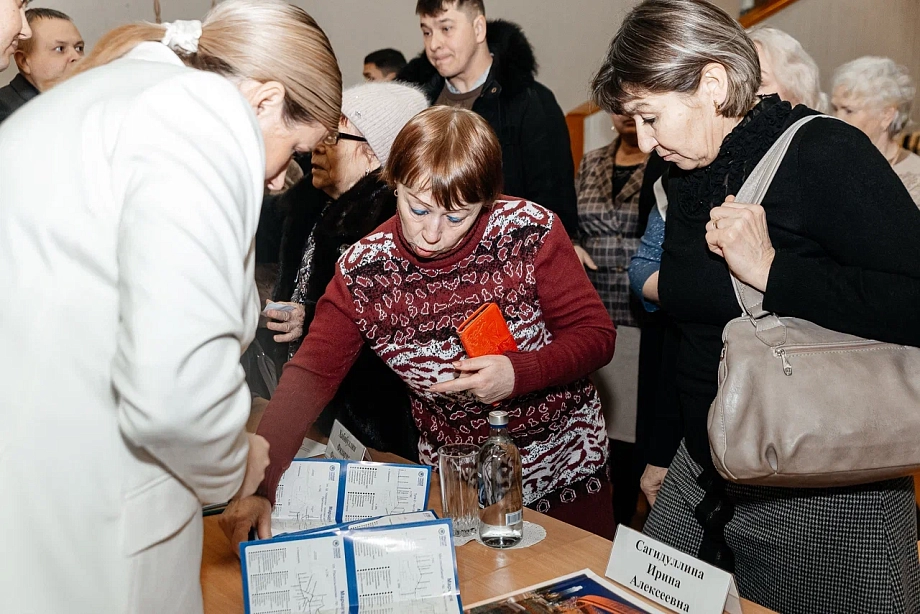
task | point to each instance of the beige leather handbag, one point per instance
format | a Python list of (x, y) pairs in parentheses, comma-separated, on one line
[(803, 406)]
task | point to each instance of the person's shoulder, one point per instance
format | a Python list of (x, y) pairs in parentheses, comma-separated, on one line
[(10, 100), (825, 135), (154, 73), (379, 244), (599, 157), (186, 104), (204, 90), (509, 212)]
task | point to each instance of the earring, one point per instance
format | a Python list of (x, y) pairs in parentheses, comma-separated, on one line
[(396, 192), (718, 107), (367, 172)]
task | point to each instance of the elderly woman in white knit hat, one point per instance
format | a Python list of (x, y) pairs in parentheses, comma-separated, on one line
[(342, 200)]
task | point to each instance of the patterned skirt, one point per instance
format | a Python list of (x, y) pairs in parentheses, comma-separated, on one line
[(808, 551)]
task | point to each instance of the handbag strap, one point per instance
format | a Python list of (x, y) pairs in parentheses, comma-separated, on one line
[(753, 192)]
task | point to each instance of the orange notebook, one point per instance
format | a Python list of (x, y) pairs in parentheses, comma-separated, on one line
[(485, 333)]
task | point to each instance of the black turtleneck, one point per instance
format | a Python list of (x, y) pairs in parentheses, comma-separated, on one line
[(847, 240)]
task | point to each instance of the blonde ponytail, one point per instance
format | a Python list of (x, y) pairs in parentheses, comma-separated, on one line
[(262, 40), (156, 9)]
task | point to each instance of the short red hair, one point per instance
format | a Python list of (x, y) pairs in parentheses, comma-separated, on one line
[(450, 151)]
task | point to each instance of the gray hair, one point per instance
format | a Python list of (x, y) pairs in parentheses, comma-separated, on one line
[(664, 45), (879, 83), (794, 69)]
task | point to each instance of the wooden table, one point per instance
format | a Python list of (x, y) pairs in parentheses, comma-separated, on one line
[(484, 573)]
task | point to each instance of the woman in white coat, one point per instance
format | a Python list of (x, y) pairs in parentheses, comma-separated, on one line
[(130, 196)]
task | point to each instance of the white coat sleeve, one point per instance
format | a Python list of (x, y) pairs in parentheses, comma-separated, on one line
[(189, 166)]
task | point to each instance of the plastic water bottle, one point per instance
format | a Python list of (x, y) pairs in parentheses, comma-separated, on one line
[(501, 501)]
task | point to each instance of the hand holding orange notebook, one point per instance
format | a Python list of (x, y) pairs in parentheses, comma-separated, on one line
[(485, 333)]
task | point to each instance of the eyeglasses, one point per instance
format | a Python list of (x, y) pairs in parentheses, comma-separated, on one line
[(332, 139)]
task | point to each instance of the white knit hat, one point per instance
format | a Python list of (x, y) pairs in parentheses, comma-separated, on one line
[(380, 110)]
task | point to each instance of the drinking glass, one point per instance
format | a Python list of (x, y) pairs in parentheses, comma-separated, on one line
[(459, 487)]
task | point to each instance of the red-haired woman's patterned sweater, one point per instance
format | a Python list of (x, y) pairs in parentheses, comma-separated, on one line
[(407, 309)]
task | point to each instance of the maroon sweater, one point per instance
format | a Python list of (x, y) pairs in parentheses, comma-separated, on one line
[(407, 309)]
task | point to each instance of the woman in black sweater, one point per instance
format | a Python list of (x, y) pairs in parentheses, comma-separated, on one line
[(835, 242)]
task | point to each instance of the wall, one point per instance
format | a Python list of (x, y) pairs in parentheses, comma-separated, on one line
[(837, 31)]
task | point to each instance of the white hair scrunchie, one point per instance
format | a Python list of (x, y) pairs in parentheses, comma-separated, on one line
[(183, 36)]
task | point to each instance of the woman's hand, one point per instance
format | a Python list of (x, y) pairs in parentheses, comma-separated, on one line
[(651, 481), (584, 257), (245, 514), (488, 378), (738, 232), (290, 323)]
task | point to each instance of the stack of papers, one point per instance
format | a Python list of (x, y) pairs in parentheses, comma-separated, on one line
[(406, 568), (316, 493), (351, 537)]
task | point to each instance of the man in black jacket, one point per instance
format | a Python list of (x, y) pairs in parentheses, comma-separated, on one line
[(490, 69), (44, 58)]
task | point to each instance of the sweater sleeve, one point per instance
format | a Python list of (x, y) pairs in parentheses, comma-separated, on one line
[(583, 335), (867, 281), (647, 260), (310, 380)]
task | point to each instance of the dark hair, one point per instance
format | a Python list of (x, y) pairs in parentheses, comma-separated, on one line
[(433, 8), (40, 13), (450, 151), (664, 45), (387, 60)]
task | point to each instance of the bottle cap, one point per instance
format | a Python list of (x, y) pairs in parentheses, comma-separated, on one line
[(498, 418)]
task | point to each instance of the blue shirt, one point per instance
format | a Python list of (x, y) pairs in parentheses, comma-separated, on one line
[(648, 258)]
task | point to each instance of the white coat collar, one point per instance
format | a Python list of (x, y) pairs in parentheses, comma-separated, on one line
[(154, 52)]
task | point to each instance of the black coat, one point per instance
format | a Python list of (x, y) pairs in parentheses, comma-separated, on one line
[(371, 401), (537, 155), (14, 95)]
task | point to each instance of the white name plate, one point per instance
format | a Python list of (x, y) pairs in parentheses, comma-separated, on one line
[(667, 576), (345, 446)]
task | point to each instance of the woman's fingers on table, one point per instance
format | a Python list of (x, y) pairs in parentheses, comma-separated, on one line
[(243, 515)]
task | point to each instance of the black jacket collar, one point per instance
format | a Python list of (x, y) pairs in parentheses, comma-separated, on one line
[(25, 89)]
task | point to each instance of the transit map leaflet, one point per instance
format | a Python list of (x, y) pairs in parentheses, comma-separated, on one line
[(316, 493), (402, 569)]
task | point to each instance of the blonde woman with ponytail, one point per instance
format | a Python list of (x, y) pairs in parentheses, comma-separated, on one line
[(127, 297)]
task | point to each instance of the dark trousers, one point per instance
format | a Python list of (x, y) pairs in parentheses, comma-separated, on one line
[(626, 469)]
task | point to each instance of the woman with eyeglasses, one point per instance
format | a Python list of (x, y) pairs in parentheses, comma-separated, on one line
[(340, 201)]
